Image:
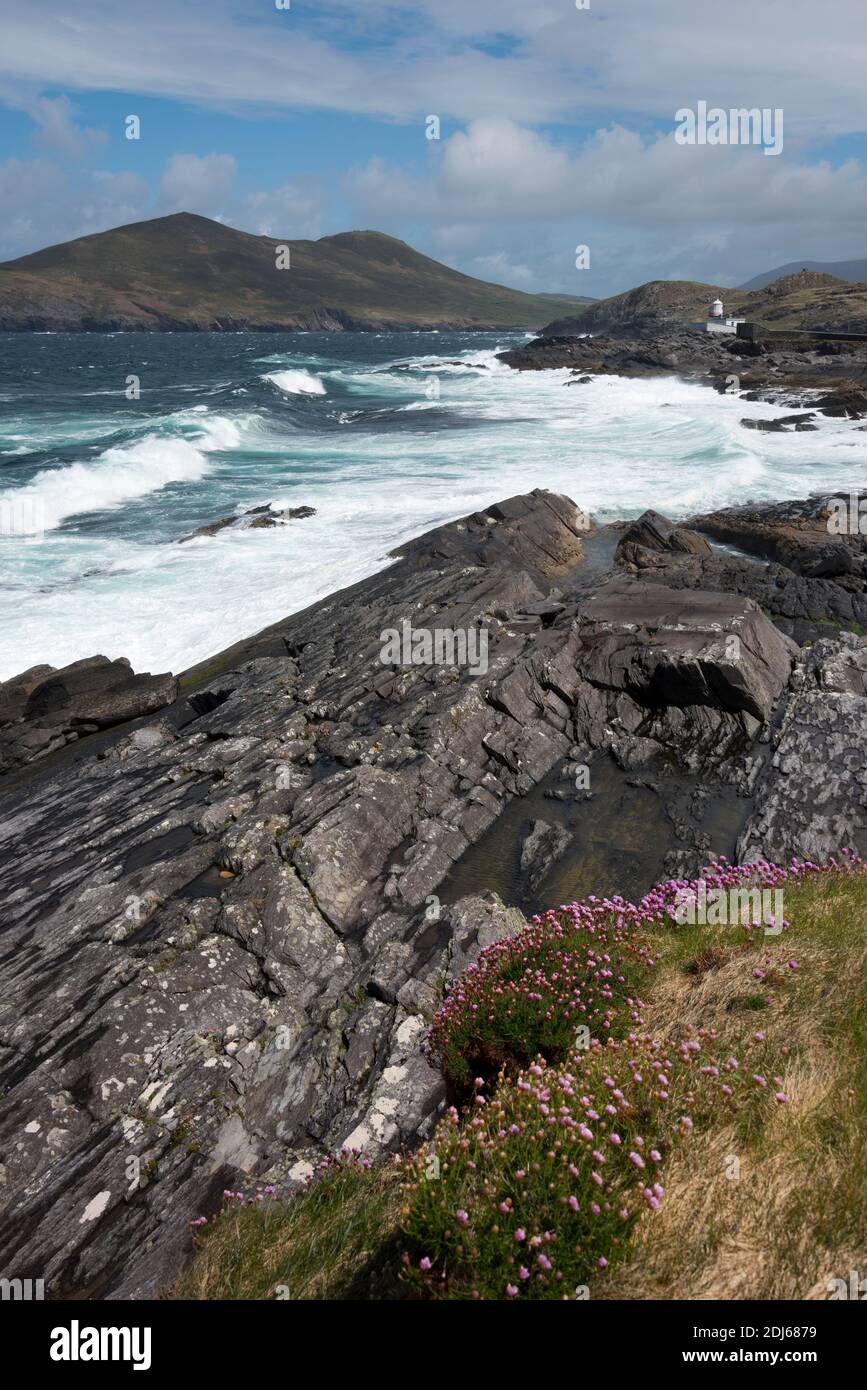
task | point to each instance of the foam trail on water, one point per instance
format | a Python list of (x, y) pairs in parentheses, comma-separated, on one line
[(119, 474), (296, 382)]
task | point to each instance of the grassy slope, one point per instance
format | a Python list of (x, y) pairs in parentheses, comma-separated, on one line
[(190, 268), (795, 1217)]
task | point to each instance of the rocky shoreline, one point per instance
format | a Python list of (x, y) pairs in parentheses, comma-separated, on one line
[(829, 378), (228, 923)]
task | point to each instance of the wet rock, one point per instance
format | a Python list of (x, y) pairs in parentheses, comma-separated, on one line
[(782, 425), (542, 848), (655, 532), (253, 519)]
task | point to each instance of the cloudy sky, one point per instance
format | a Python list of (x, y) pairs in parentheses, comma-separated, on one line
[(556, 124)]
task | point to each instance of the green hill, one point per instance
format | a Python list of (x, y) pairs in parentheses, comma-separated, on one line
[(805, 299), (188, 272)]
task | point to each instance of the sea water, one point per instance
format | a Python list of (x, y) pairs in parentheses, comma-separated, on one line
[(113, 447)]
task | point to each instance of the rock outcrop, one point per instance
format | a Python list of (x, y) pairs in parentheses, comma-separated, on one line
[(45, 709)]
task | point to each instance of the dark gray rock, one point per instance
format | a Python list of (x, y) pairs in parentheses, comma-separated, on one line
[(668, 647), (655, 532), (542, 848), (253, 519), (43, 709), (813, 802)]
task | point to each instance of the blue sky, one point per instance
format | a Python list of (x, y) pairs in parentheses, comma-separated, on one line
[(556, 128)]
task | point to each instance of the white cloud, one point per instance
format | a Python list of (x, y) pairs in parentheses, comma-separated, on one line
[(542, 60), (57, 129), (197, 183), (34, 191), (295, 210)]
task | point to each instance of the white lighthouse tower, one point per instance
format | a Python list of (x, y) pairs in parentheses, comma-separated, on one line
[(718, 321)]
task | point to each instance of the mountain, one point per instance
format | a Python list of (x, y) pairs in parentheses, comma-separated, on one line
[(855, 272), (186, 272), (805, 299)]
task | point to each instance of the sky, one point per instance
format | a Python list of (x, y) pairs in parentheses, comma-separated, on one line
[(557, 127)]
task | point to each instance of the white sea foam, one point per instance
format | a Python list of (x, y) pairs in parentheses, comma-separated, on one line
[(296, 382), (120, 474), (616, 446)]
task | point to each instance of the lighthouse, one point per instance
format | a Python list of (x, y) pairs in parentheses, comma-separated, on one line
[(716, 309)]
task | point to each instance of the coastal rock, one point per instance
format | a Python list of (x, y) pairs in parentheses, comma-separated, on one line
[(813, 802), (43, 709), (800, 422), (668, 647), (797, 534), (254, 519), (541, 849), (656, 532)]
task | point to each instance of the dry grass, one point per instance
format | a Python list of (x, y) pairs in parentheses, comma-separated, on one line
[(777, 1211)]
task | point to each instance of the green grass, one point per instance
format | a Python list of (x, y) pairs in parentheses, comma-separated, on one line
[(336, 1239)]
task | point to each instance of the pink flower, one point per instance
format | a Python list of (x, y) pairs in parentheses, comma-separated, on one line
[(462, 1217), (602, 1262), (573, 1204), (511, 1290), (781, 1097), (636, 1159), (544, 1262), (520, 1234), (424, 1263)]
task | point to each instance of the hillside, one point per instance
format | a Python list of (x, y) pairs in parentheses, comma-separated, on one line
[(804, 299), (853, 271), (186, 272)]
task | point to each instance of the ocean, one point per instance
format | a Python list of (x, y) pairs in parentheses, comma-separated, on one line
[(384, 434)]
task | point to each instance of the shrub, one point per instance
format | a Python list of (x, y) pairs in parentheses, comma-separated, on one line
[(528, 994), (581, 964), (538, 1188)]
